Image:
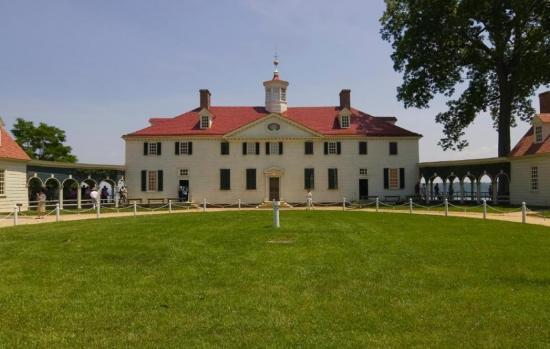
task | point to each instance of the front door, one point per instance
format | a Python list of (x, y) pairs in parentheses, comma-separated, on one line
[(183, 190), (273, 188), (363, 189)]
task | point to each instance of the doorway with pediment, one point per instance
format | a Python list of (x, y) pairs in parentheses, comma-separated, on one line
[(273, 184)]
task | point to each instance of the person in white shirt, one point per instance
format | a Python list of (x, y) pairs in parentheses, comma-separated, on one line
[(309, 200), (94, 195)]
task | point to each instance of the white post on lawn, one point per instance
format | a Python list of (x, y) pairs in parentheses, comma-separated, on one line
[(239, 203), (410, 205), (276, 205), (484, 208), (57, 212), (204, 205), (15, 213), (344, 204), (169, 206), (377, 203), (97, 210), (523, 212), (135, 208), (446, 207)]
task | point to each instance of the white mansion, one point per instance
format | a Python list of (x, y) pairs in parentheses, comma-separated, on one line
[(260, 153)]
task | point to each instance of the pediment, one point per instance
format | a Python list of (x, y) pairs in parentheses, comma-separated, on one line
[(273, 126)]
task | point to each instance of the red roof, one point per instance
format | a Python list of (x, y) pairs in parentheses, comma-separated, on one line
[(323, 120), (544, 117), (527, 146), (9, 149)]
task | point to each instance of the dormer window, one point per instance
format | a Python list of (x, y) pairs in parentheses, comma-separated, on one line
[(205, 121), (538, 134), (344, 121)]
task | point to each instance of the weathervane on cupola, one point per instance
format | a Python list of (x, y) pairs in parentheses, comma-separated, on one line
[(275, 91), (276, 65)]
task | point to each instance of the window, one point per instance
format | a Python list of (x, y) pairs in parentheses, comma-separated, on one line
[(274, 148), (308, 148), (534, 178), (333, 178), (2, 182), (224, 148), (251, 148), (344, 121), (152, 183), (393, 148), (309, 178), (363, 172), (362, 148), (538, 134), (250, 179), (152, 148), (393, 178), (225, 179), (283, 94), (184, 148), (205, 121), (184, 172), (332, 147)]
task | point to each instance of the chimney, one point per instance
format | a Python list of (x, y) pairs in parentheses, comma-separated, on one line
[(544, 100), (345, 99), (205, 99)]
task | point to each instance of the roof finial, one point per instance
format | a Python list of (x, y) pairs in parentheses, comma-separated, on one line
[(276, 65)]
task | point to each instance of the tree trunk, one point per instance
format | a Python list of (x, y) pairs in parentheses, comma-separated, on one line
[(504, 117)]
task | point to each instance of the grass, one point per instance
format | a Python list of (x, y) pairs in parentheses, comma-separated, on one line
[(324, 280)]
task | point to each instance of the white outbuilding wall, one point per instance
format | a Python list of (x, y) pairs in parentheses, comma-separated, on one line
[(15, 185), (520, 184)]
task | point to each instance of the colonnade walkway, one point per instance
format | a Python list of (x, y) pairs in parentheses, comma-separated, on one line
[(8, 220)]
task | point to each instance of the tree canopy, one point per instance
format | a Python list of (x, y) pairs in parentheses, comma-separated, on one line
[(42, 142), (497, 51)]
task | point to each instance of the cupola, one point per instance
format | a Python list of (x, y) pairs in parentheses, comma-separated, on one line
[(275, 92)]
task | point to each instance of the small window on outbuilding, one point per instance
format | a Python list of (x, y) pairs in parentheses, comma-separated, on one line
[(205, 121), (344, 121), (538, 134)]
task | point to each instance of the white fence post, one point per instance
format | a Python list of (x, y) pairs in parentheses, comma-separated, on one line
[(169, 206), (484, 208), (97, 209), (410, 205), (446, 207), (204, 205), (523, 212), (344, 204), (377, 203), (57, 212), (135, 208), (276, 222), (15, 213)]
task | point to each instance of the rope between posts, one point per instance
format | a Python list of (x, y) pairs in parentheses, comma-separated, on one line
[(49, 213), (152, 209), (6, 217)]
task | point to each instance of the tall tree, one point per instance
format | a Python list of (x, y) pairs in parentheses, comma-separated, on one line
[(496, 50), (42, 142)]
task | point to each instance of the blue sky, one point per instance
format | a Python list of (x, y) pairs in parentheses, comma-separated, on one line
[(100, 69)]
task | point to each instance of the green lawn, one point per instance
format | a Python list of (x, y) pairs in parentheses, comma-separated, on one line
[(331, 279)]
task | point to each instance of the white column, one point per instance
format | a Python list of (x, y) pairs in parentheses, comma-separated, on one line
[(276, 223), (462, 190), (79, 198), (61, 197)]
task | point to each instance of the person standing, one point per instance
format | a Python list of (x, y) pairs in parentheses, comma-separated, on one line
[(41, 198), (94, 195)]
